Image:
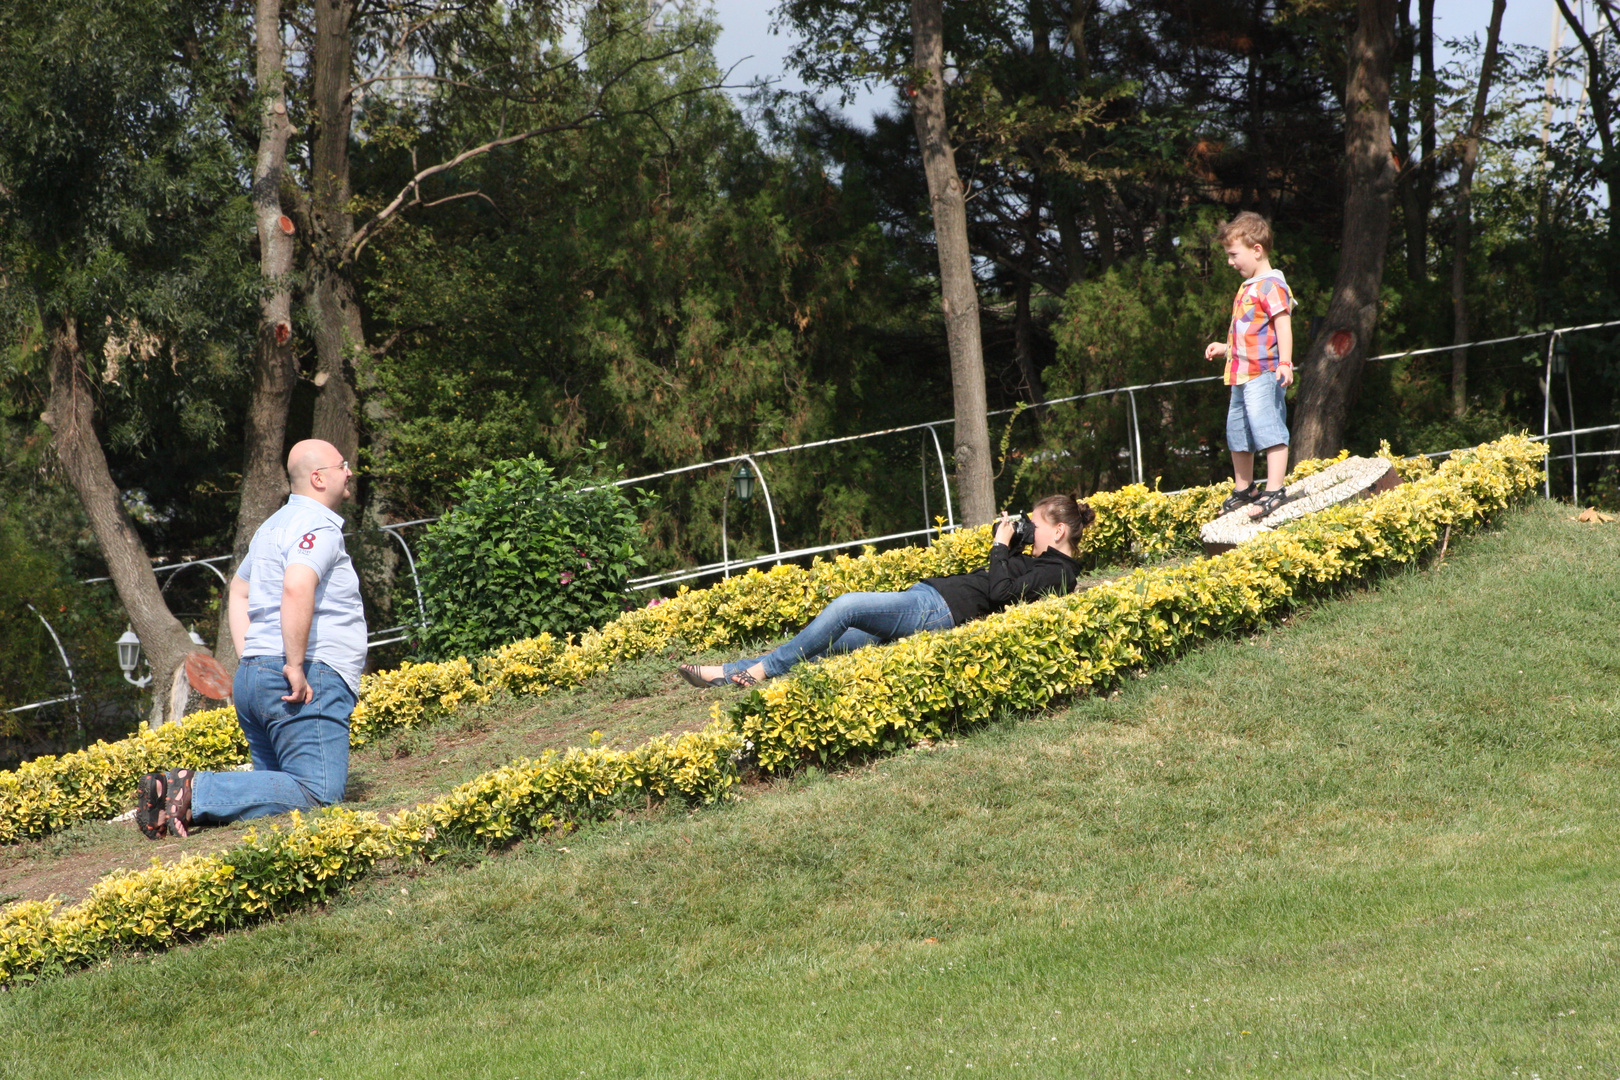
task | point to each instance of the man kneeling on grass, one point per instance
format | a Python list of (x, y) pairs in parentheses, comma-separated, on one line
[(300, 629)]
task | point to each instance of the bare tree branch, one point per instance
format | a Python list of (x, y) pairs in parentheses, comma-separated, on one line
[(1594, 67), (411, 194), (461, 195)]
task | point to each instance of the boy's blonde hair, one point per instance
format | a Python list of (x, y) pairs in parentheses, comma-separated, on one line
[(1248, 228)]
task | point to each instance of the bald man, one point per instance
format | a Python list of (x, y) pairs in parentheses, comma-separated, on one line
[(300, 629)]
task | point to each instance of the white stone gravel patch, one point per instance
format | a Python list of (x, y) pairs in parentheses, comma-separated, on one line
[(1340, 482)]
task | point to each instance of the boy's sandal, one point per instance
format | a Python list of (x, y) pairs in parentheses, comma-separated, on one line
[(1272, 501), (1237, 499), (689, 672)]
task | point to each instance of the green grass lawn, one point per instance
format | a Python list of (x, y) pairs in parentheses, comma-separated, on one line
[(1380, 841)]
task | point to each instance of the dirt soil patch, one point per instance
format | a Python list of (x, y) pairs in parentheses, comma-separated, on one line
[(623, 708)]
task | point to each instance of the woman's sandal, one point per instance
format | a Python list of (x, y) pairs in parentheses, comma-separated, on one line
[(742, 678), (1238, 499), (1273, 501), (163, 803), (689, 672)]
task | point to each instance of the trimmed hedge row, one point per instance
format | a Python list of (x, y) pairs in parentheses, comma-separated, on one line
[(284, 868), (51, 793), (1134, 522), (1023, 658), (876, 698)]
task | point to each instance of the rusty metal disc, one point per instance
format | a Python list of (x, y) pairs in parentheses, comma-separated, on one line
[(207, 677)]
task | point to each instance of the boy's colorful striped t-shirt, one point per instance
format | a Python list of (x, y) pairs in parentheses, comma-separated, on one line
[(1252, 340)]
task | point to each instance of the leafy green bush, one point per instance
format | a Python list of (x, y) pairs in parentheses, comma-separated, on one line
[(525, 552)]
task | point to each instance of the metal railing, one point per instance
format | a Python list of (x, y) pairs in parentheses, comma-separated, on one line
[(1133, 449)]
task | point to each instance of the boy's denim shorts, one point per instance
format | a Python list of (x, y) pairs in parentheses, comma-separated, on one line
[(1257, 418)]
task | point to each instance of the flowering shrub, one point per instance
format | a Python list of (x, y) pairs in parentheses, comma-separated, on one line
[(1134, 522), (283, 868), (267, 873), (525, 551), (528, 797), (1022, 659), (411, 695), (50, 793), (1026, 656), (757, 604)]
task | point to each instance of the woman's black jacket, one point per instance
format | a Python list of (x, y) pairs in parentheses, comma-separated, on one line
[(1008, 579)]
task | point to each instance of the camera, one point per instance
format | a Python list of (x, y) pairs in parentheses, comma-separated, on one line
[(1023, 533)]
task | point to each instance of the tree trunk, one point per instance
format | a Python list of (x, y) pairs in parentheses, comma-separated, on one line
[(338, 333), (1599, 93), (1029, 377), (1421, 184), (1071, 238), (1259, 156), (1329, 378), (344, 375), (1406, 179), (1095, 191), (1463, 234), (264, 475), (1104, 222), (71, 418), (959, 292)]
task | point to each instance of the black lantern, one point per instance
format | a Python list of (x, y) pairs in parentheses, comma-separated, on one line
[(1560, 356), (742, 482)]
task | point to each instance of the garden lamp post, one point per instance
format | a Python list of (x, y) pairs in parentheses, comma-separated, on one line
[(129, 657), (130, 654), (742, 483)]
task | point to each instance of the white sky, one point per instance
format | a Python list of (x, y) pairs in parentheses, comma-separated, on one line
[(746, 40)]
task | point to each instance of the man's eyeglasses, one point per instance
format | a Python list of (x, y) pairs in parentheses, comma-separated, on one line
[(344, 465)]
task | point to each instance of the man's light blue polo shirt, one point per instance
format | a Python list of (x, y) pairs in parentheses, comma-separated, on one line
[(307, 533)]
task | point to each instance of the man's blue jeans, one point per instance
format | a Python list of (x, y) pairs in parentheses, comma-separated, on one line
[(853, 621), (300, 752)]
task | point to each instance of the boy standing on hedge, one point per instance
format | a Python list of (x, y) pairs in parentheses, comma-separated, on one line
[(300, 629), (1259, 351)]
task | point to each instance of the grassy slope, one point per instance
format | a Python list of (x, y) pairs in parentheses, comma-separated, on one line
[(1380, 841), (624, 706)]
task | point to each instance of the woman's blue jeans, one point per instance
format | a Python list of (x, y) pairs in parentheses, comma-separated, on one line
[(853, 621), (300, 752)]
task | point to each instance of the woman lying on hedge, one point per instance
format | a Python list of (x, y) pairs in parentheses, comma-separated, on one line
[(858, 619)]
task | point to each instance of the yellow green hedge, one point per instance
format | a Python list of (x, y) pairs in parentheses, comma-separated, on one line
[(52, 793), (1026, 656), (1020, 659), (286, 867)]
